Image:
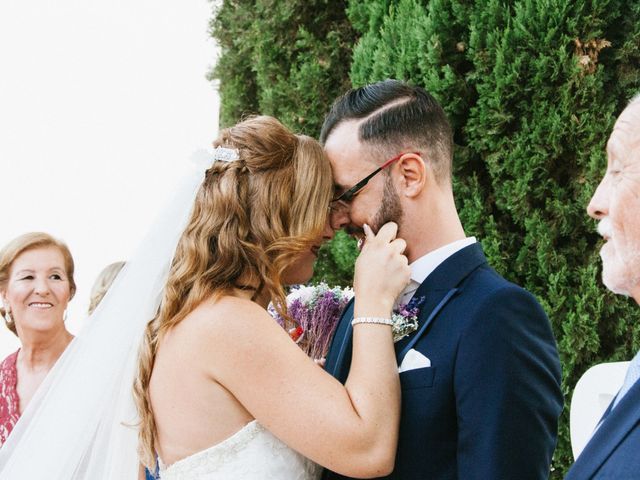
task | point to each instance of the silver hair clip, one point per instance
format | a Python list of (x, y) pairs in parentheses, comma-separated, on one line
[(225, 154)]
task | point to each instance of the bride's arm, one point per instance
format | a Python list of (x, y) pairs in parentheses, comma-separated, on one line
[(350, 429)]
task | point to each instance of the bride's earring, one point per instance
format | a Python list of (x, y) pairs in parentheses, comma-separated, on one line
[(64, 316)]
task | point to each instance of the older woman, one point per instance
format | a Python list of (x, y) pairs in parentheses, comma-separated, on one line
[(36, 283)]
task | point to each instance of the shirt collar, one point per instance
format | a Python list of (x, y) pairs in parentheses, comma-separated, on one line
[(425, 265)]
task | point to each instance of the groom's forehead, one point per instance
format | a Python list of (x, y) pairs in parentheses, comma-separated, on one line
[(344, 149), (350, 167), (351, 159), (344, 136)]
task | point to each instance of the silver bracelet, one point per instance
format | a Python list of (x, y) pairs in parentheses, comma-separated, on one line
[(377, 320)]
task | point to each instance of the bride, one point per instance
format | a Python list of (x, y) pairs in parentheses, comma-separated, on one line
[(222, 391)]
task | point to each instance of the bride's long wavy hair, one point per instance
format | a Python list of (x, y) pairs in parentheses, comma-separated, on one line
[(250, 221)]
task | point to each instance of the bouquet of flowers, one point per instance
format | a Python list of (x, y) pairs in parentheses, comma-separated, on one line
[(316, 310)]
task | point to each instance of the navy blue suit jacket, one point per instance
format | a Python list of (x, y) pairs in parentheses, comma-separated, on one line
[(488, 406), (614, 450)]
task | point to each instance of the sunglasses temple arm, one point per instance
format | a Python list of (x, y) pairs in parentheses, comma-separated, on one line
[(364, 181)]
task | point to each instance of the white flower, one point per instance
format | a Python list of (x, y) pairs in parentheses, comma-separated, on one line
[(303, 293), (403, 326)]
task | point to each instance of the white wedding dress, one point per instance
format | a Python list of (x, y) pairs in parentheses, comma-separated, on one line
[(252, 453)]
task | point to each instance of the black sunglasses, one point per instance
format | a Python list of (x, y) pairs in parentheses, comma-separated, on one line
[(348, 195)]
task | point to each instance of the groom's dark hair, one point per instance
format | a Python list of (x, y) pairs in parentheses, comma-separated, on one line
[(398, 117)]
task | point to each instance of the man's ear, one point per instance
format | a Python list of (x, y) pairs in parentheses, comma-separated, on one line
[(414, 174)]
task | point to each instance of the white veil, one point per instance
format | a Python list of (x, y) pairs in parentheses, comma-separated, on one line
[(81, 422)]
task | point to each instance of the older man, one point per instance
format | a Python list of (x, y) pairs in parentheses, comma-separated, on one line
[(480, 375), (614, 449)]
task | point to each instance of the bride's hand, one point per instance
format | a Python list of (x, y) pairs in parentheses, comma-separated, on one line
[(381, 271)]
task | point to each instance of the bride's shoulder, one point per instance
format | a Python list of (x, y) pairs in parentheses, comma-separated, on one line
[(229, 306), (219, 331), (229, 316)]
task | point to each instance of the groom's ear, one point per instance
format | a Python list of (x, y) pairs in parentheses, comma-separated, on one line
[(414, 175)]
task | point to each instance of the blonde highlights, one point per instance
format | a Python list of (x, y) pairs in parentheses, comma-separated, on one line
[(251, 219), (102, 283)]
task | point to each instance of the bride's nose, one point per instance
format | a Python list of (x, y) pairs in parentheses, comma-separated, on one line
[(328, 232)]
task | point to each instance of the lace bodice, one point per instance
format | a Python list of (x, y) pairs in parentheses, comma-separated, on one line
[(252, 453), (9, 401)]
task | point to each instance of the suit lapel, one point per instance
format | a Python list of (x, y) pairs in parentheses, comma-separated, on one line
[(341, 343), (614, 429), (428, 311), (424, 324), (444, 283), (438, 289)]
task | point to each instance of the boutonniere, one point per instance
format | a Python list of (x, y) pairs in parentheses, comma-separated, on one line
[(405, 318)]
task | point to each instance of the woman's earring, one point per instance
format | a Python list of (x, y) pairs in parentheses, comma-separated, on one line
[(7, 315), (64, 316)]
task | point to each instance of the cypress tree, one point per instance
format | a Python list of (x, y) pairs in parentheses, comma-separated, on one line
[(289, 59), (237, 84), (532, 89)]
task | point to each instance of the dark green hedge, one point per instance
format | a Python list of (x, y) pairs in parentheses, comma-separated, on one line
[(283, 58), (532, 88)]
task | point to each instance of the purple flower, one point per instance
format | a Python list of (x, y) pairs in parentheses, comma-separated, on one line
[(405, 318), (316, 310)]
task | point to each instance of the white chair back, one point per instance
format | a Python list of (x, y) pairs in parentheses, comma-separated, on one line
[(591, 397)]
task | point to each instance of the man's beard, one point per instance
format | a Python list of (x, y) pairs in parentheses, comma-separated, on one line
[(390, 210)]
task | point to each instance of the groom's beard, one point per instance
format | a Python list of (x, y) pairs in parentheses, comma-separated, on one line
[(391, 209)]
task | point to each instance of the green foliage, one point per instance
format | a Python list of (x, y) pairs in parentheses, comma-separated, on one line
[(532, 88), (238, 86), (289, 59), (335, 261)]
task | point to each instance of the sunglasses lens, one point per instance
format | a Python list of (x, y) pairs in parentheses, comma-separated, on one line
[(339, 206), (347, 196)]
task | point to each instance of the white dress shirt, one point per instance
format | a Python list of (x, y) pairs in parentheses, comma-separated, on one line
[(425, 265), (632, 376)]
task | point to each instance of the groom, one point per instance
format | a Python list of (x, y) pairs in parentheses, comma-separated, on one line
[(480, 376)]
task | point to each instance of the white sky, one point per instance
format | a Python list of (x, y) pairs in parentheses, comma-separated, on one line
[(101, 104)]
